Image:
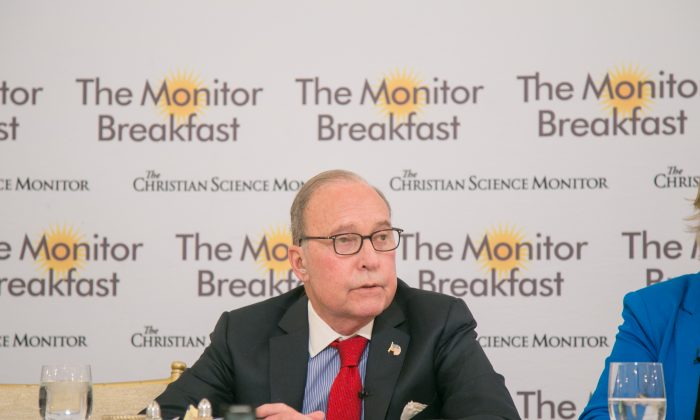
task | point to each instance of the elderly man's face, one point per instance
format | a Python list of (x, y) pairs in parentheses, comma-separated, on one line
[(347, 291)]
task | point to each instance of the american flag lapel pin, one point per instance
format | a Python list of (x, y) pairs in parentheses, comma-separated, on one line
[(394, 349)]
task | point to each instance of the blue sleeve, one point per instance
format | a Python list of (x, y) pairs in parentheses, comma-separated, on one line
[(637, 340)]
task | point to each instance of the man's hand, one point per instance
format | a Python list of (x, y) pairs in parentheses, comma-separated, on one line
[(279, 411)]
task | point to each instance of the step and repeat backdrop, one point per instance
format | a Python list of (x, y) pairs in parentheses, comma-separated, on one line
[(541, 157)]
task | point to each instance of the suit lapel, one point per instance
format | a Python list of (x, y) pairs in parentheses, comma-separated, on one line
[(687, 337), (383, 366), (289, 357)]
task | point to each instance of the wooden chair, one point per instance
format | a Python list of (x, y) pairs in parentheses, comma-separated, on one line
[(21, 401)]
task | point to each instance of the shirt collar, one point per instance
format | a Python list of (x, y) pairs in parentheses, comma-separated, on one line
[(321, 334)]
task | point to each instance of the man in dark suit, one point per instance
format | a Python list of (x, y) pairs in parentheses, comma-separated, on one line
[(419, 355)]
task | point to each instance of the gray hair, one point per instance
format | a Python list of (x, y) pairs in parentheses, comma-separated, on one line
[(301, 201)]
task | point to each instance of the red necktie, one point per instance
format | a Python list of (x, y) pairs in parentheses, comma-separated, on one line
[(344, 401)]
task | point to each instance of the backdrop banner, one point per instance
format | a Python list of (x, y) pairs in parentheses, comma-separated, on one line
[(540, 156)]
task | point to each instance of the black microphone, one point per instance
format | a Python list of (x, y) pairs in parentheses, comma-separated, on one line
[(697, 357), (363, 394)]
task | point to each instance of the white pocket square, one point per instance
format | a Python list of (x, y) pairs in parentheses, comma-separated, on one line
[(411, 409)]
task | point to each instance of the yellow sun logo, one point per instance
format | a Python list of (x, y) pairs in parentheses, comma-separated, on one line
[(58, 250), (504, 250), (277, 242), (400, 94), (628, 91), (185, 96)]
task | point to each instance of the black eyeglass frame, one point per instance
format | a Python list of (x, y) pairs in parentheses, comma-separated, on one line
[(362, 239)]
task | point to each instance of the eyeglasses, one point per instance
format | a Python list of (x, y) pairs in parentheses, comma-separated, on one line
[(351, 243)]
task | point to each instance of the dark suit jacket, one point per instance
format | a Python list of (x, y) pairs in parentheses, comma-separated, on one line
[(259, 354)]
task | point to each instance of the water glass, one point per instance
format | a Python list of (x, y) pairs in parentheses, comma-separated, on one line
[(65, 392), (636, 391)]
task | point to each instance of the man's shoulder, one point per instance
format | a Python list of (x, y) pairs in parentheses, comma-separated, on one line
[(273, 307), (406, 292), (425, 303)]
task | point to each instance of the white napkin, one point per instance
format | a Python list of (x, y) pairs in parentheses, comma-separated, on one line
[(411, 409)]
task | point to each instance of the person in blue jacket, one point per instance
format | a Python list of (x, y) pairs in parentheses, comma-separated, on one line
[(661, 323)]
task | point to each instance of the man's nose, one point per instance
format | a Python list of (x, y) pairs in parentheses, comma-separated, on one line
[(368, 254)]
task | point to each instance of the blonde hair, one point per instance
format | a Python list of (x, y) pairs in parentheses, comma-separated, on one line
[(309, 188), (696, 218)]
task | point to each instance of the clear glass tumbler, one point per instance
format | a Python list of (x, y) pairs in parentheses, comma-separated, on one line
[(65, 392), (636, 391)]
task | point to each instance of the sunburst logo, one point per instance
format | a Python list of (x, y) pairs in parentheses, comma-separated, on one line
[(277, 241), (504, 250), (628, 90), (184, 96), (59, 250), (401, 94)]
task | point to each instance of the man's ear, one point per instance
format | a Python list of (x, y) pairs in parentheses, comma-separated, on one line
[(297, 260)]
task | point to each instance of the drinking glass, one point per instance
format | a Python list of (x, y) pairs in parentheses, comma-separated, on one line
[(636, 391), (65, 392)]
